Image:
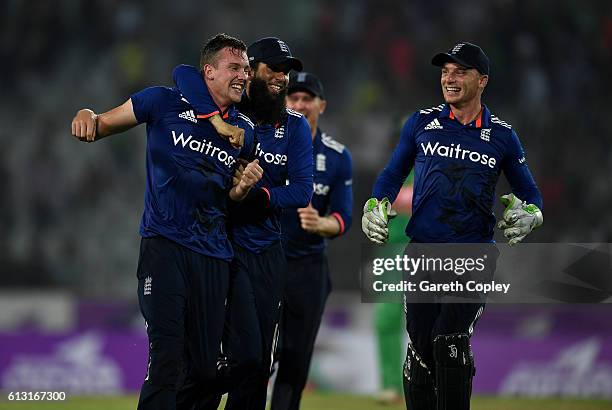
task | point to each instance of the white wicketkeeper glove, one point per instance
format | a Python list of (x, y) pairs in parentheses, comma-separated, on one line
[(519, 219), (375, 220)]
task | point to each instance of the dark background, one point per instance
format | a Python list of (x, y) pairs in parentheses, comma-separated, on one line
[(70, 211)]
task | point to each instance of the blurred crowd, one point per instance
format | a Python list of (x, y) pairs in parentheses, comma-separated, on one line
[(70, 211)]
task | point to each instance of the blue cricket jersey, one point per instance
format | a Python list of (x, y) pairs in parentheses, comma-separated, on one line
[(456, 169), (189, 172), (285, 154), (333, 195)]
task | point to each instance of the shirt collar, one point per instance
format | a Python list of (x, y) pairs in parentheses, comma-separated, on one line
[(231, 112), (482, 121)]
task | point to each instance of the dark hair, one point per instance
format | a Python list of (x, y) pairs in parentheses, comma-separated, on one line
[(208, 54)]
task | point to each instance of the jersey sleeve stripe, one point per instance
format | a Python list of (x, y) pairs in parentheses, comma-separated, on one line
[(294, 113), (246, 119), (340, 221)]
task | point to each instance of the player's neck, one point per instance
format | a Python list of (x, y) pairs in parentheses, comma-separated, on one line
[(222, 103), (467, 113)]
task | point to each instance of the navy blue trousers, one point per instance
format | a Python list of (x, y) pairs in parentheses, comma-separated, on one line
[(182, 297), (251, 330), (306, 291)]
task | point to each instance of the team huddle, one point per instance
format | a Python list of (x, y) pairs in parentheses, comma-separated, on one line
[(242, 192)]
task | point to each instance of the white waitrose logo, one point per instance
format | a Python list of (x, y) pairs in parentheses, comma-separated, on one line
[(458, 153), (203, 147), (321, 162), (188, 115), (320, 189), (434, 125), (270, 158), (147, 285), (485, 134)]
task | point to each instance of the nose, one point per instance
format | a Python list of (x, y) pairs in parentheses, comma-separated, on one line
[(243, 74), (280, 76), (299, 106)]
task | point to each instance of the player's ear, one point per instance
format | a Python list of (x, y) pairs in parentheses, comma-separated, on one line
[(322, 106), (484, 80), (209, 72)]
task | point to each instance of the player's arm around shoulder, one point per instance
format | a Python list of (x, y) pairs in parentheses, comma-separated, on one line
[(88, 126)]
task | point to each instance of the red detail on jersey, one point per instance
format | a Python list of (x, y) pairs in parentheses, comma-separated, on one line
[(267, 193), (204, 116), (340, 221)]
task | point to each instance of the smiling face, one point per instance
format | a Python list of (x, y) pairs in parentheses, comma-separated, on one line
[(307, 104), (276, 78), (226, 77), (461, 86)]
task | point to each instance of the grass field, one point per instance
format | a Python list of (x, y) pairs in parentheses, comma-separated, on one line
[(321, 402)]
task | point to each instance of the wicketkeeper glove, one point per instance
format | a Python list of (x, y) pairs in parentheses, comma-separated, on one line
[(519, 219), (375, 220)]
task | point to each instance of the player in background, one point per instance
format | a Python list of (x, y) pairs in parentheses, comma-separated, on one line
[(305, 234), (284, 150), (458, 150), (183, 269)]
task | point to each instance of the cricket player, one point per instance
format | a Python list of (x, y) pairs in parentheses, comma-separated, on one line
[(305, 234), (458, 150), (184, 266), (284, 150)]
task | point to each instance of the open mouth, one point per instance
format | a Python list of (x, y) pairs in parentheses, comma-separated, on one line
[(275, 88), (452, 90), (238, 87)]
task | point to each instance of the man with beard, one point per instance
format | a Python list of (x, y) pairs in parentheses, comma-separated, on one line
[(284, 150), (305, 233), (458, 150)]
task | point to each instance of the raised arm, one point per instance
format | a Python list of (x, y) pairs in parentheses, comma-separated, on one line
[(88, 126)]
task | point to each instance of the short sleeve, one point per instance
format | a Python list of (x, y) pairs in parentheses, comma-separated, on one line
[(149, 103)]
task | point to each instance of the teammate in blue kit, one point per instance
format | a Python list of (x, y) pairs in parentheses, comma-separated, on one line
[(305, 233), (284, 150), (458, 151), (183, 270)]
